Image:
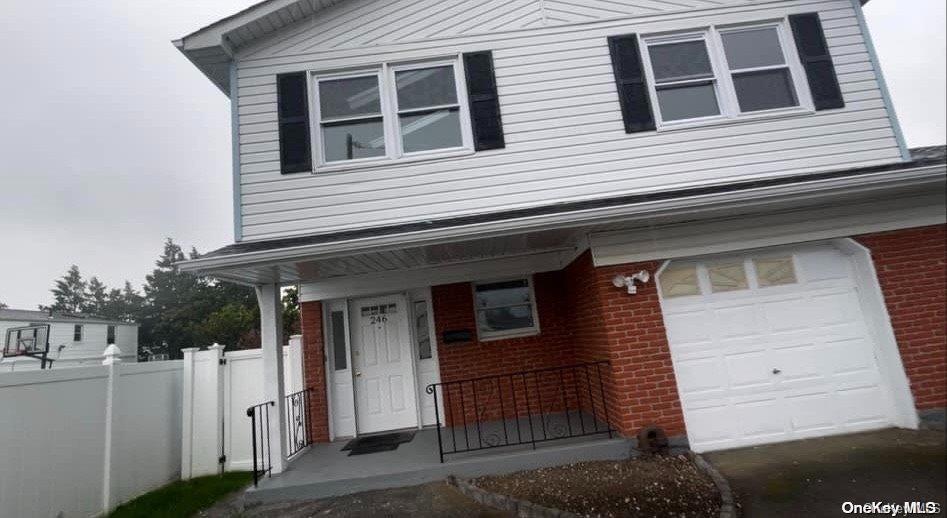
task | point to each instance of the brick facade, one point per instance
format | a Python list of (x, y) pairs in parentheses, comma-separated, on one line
[(627, 330), (912, 271), (315, 368), (585, 318)]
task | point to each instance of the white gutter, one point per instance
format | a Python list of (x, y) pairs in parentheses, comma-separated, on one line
[(763, 195)]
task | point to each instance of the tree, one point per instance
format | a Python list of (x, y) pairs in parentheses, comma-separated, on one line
[(69, 293), (233, 325), (3, 306), (96, 298), (291, 321)]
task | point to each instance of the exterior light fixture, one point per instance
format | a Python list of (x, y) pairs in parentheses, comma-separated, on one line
[(621, 281)]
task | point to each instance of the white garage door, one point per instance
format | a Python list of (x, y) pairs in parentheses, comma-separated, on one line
[(771, 346)]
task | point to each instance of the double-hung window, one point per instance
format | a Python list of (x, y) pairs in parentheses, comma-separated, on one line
[(505, 309), (722, 73), (684, 79), (391, 112)]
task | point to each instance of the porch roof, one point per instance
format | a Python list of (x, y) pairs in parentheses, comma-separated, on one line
[(559, 229)]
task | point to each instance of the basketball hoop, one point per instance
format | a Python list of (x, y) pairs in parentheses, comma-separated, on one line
[(31, 341)]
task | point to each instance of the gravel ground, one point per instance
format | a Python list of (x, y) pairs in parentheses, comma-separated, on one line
[(643, 487), (436, 500)]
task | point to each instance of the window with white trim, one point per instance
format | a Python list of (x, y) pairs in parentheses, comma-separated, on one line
[(77, 333), (391, 112), (722, 73), (110, 335), (505, 308)]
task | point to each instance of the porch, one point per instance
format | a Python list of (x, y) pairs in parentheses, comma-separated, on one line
[(325, 470)]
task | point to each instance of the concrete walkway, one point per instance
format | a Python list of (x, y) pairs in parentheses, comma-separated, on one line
[(815, 477)]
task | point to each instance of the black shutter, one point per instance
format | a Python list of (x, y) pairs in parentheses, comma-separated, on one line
[(484, 101), (632, 88), (295, 154), (814, 53)]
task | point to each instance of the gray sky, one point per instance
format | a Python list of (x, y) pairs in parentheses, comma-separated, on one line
[(110, 140)]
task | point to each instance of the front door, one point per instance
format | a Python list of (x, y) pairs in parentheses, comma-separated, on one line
[(381, 355)]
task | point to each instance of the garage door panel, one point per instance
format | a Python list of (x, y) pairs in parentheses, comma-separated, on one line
[(809, 412), (788, 314), (849, 356), (738, 321), (686, 327), (787, 360), (862, 405), (748, 370), (710, 425), (799, 362), (758, 419), (700, 375)]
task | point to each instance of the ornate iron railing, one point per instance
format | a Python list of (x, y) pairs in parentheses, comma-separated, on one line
[(298, 424), (260, 438), (526, 407)]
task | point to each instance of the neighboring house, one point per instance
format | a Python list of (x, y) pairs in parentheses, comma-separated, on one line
[(713, 197), (74, 340)]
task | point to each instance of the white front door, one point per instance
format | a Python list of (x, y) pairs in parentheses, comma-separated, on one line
[(772, 346), (381, 356)]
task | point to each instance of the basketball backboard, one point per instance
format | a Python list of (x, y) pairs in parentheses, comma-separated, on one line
[(29, 340)]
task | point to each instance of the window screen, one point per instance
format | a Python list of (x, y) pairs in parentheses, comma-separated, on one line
[(504, 307)]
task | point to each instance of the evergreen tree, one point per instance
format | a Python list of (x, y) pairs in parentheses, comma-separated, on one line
[(96, 298), (291, 320), (69, 293)]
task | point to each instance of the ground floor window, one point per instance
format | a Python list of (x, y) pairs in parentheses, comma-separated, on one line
[(505, 308)]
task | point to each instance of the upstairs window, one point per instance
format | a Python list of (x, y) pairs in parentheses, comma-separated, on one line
[(77, 333), (684, 78), (110, 335), (393, 112), (351, 121), (505, 309), (761, 76), (723, 73)]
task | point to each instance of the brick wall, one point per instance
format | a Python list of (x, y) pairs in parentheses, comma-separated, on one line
[(911, 269), (314, 369), (629, 331), (454, 310)]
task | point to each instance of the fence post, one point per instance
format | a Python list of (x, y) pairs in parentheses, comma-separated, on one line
[(187, 416), (112, 361), (295, 370)]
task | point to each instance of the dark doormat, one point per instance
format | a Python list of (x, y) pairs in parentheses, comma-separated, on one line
[(377, 443)]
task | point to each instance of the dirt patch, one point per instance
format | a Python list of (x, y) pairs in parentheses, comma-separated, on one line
[(659, 486)]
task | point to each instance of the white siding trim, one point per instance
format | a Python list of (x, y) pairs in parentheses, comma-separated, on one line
[(743, 232)]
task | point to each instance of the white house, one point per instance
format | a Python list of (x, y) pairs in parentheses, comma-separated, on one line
[(74, 340), (699, 214)]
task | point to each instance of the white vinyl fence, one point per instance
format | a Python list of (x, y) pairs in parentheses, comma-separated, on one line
[(78, 442), (221, 394)]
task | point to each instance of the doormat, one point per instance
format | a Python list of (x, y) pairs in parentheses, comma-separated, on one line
[(377, 443)]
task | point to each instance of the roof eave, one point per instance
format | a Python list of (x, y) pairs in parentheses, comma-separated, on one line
[(211, 265)]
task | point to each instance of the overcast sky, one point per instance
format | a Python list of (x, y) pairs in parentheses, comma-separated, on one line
[(110, 140)]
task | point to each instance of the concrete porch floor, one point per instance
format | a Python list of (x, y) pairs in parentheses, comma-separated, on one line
[(325, 470)]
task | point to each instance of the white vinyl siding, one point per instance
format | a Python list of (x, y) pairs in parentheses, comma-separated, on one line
[(561, 117)]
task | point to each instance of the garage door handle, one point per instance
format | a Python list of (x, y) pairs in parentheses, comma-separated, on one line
[(777, 371)]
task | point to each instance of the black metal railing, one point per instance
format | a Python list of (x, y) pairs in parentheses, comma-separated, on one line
[(260, 438), (298, 425), (526, 407)]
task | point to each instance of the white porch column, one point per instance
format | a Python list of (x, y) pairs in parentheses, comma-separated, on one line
[(271, 335)]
